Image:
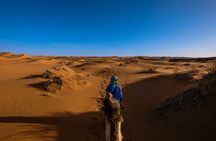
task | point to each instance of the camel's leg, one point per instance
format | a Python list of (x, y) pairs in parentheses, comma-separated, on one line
[(108, 130)]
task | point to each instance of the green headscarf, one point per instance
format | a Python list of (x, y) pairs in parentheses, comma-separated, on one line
[(114, 80)]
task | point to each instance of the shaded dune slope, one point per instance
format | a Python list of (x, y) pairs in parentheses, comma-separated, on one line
[(143, 123)]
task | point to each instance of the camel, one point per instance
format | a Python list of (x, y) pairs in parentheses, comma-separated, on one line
[(113, 118)]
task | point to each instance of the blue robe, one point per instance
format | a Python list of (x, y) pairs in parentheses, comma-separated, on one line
[(116, 91)]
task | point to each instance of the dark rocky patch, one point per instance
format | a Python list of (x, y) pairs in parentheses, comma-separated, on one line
[(51, 85)]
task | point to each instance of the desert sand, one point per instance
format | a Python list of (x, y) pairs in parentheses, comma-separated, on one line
[(51, 98)]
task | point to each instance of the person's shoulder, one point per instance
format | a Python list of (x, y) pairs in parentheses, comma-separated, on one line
[(110, 86), (118, 86)]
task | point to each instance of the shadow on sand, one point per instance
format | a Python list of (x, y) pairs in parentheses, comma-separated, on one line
[(141, 99), (33, 76), (69, 127)]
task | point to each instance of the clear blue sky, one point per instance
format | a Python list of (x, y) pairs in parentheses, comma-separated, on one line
[(109, 27)]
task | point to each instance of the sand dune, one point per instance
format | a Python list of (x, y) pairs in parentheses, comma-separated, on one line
[(13, 55), (6, 54), (59, 98)]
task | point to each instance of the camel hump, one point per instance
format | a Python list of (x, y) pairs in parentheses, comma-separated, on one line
[(111, 102)]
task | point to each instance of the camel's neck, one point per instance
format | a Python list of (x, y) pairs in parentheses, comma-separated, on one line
[(113, 130), (113, 119), (118, 131)]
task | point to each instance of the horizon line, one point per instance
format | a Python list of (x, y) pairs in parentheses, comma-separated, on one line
[(148, 56)]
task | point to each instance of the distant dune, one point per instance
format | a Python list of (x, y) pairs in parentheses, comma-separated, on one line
[(13, 55)]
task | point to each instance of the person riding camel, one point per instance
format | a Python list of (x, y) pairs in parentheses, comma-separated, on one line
[(115, 89)]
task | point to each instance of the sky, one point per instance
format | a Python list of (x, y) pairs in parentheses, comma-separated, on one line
[(109, 27)]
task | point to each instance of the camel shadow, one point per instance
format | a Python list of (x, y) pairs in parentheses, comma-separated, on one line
[(69, 126)]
